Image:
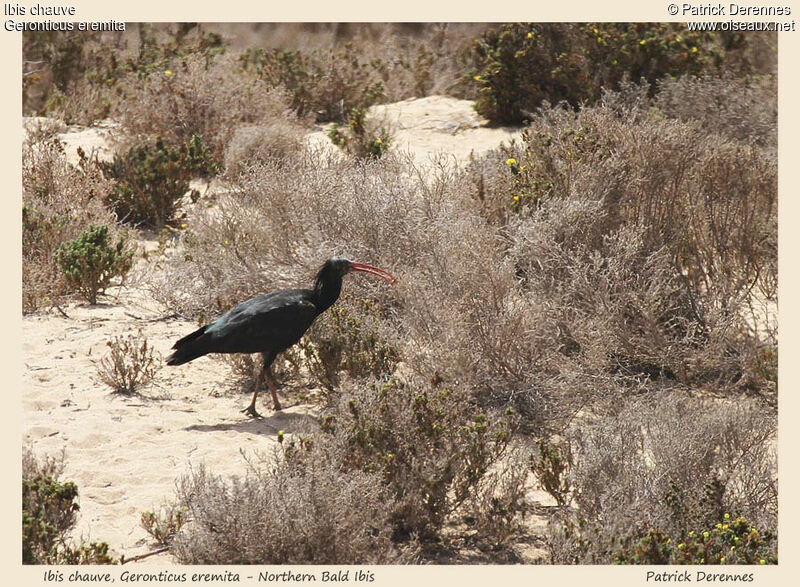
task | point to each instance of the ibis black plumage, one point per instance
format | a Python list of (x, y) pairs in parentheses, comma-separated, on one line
[(271, 323)]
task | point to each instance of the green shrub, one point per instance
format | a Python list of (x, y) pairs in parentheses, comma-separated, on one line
[(520, 66), (551, 467), (730, 541), (151, 178), (360, 138), (59, 201), (164, 524), (430, 446), (326, 84), (89, 262), (49, 509), (346, 339), (279, 67)]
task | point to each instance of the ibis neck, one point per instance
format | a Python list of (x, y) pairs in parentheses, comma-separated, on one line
[(327, 292)]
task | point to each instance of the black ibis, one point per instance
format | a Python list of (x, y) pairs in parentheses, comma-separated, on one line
[(270, 323)]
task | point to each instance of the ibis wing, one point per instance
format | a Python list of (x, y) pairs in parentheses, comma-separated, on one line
[(271, 322)]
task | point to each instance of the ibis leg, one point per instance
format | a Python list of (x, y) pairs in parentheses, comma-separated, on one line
[(265, 376), (273, 387), (251, 409)]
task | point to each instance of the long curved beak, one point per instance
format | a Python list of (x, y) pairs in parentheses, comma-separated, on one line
[(372, 270)]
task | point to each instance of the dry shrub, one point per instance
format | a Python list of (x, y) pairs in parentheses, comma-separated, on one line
[(278, 226), (207, 98), (59, 202), (275, 140), (743, 109), (666, 462), (85, 104), (129, 365), (71, 75), (292, 512), (456, 302), (388, 467), (646, 237)]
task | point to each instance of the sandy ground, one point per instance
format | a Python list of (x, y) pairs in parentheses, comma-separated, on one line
[(430, 127), (126, 452)]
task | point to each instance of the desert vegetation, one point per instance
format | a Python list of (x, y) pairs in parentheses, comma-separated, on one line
[(49, 509), (589, 311)]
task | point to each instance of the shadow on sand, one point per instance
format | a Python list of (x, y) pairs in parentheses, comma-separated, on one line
[(291, 420)]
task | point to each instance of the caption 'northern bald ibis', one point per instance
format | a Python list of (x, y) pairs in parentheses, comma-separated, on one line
[(271, 323)]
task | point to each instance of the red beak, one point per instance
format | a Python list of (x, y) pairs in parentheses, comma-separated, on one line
[(372, 270)]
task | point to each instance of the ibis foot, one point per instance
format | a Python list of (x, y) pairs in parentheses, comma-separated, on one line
[(251, 411)]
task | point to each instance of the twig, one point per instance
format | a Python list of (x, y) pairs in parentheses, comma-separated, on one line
[(164, 317), (139, 557), (156, 319)]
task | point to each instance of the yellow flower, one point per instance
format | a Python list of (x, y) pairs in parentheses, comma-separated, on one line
[(681, 545), (705, 534), (694, 49), (642, 42), (722, 559), (378, 141), (530, 35), (691, 534), (762, 562), (511, 161), (726, 516), (183, 225), (168, 73), (477, 78)]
